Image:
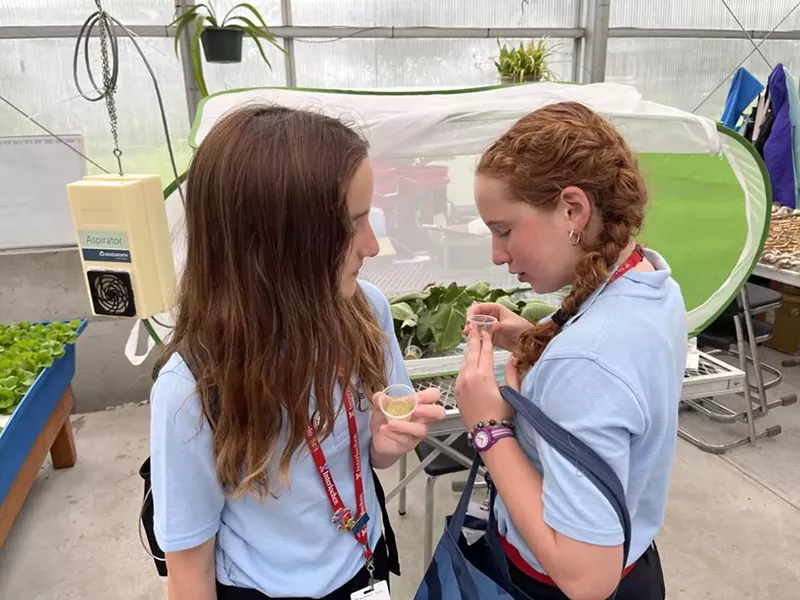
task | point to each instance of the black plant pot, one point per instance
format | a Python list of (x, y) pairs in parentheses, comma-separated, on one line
[(222, 44)]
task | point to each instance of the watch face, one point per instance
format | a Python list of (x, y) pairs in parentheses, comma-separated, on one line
[(481, 439)]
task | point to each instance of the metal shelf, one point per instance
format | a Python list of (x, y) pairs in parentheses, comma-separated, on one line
[(778, 274), (712, 378)]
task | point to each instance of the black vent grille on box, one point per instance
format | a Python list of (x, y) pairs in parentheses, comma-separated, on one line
[(112, 293)]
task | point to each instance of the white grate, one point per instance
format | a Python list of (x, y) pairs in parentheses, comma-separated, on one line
[(692, 378), (706, 367), (447, 386)]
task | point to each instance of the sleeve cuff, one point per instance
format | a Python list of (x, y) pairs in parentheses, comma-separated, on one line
[(185, 542), (598, 537)]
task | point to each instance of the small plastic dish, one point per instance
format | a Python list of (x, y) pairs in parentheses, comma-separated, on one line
[(413, 353), (398, 402), (482, 323)]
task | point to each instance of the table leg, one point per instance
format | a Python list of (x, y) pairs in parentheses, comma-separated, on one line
[(401, 509), (63, 450), (52, 439)]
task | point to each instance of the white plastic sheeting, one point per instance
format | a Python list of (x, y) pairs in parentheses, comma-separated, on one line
[(463, 123), (424, 147)]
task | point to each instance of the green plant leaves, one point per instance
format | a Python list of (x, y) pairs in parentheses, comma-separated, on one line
[(249, 7), (257, 35), (447, 325), (183, 19), (203, 16), (506, 301), (528, 62), (27, 349), (433, 318), (402, 312), (197, 61), (535, 310)]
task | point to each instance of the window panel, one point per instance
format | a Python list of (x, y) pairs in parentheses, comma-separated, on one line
[(439, 13), (683, 72), (270, 10), (419, 63), (704, 14), (63, 12), (37, 76)]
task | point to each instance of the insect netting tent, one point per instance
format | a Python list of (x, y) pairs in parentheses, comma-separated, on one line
[(709, 193)]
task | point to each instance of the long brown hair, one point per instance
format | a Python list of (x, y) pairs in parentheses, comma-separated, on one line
[(260, 313), (561, 145)]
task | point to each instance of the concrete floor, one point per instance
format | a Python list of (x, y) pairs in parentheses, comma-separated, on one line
[(732, 529)]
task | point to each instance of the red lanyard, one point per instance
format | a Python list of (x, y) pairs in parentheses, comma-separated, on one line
[(341, 514), (634, 259), (637, 256)]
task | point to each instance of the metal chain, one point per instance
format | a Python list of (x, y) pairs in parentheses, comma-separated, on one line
[(109, 83)]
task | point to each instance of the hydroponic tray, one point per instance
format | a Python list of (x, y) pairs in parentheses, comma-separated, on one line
[(39, 425), (712, 378)]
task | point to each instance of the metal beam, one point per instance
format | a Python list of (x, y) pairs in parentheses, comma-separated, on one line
[(597, 19), (193, 95), (717, 34), (288, 45), (71, 31), (577, 43)]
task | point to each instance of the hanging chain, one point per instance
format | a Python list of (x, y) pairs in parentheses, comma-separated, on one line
[(109, 83)]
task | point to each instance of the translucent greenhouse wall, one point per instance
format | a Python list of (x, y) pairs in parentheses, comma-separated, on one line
[(708, 211)]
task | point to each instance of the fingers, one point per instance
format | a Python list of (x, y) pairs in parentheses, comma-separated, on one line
[(411, 429), (429, 396), (512, 374), (404, 441), (473, 350), (486, 360), (483, 308), (426, 413)]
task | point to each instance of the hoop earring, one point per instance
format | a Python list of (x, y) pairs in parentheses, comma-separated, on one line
[(575, 237)]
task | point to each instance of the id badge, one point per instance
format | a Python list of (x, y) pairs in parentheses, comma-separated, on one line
[(380, 591)]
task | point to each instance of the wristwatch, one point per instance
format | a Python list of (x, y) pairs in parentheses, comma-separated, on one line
[(486, 435)]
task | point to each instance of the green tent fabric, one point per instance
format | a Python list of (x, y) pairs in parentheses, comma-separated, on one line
[(709, 193)]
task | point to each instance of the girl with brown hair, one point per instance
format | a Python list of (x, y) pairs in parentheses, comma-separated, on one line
[(263, 439), (563, 196)]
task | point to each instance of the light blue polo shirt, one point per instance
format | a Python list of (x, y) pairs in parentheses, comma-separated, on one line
[(285, 546), (612, 378)]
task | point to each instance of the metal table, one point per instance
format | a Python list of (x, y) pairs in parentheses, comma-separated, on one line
[(712, 378), (778, 274)]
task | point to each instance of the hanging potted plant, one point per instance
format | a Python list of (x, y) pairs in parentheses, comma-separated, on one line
[(525, 63), (222, 39)]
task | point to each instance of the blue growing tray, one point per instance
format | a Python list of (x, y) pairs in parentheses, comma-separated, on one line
[(32, 413)]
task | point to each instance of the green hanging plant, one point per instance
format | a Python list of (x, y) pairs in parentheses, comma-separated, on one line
[(525, 63), (222, 39)]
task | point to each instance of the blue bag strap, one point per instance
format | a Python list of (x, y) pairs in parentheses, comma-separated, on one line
[(460, 515), (577, 452)]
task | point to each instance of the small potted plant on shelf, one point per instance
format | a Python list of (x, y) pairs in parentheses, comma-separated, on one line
[(222, 38), (524, 63)]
